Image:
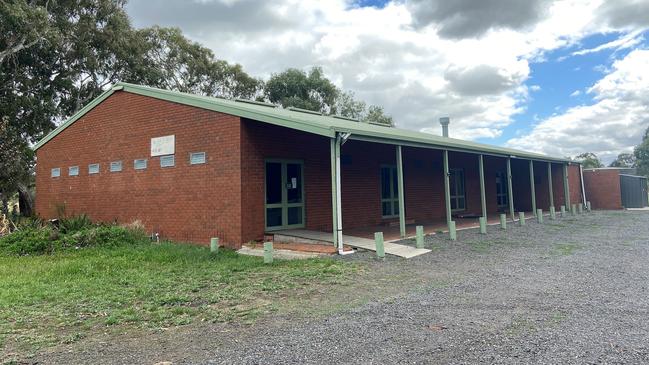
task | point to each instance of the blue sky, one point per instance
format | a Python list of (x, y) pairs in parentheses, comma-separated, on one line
[(559, 75)]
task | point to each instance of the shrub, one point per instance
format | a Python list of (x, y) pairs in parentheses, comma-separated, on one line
[(28, 241), (104, 236), (74, 224), (38, 238)]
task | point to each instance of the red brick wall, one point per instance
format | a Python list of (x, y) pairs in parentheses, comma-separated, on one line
[(184, 203), (262, 141), (574, 179), (603, 189)]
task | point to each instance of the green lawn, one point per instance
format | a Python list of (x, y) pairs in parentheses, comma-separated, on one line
[(45, 300)]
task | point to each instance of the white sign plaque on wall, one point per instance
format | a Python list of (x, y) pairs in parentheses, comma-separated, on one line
[(161, 146)]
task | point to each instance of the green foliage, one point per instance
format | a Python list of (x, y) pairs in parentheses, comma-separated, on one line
[(104, 236), (36, 238), (624, 160), (641, 153), (296, 88), (171, 61), (313, 91), (28, 241), (589, 160), (376, 115)]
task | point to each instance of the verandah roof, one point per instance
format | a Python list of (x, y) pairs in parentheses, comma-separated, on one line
[(305, 121)]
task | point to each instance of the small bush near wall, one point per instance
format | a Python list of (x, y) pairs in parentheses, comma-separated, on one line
[(38, 238)]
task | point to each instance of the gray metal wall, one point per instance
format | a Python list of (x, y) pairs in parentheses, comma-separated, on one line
[(634, 191)]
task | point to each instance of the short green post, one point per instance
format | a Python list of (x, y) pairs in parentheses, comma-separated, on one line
[(573, 209), (378, 240), (553, 213), (268, 252), (580, 208), (563, 211), (503, 221), (214, 245), (521, 218), (419, 239), (451, 231), (539, 216), (483, 225)]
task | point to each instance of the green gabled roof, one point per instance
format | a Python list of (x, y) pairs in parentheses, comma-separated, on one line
[(308, 122)]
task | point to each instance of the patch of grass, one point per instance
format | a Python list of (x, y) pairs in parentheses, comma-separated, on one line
[(485, 246), (520, 325), (564, 249), (60, 298)]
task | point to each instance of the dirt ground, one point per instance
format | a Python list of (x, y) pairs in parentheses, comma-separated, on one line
[(573, 290)]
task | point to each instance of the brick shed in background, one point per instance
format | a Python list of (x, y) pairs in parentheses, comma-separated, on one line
[(615, 188), (266, 168)]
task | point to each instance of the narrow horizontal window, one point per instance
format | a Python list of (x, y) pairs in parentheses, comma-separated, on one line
[(73, 170), (139, 164), (116, 166), (93, 168), (196, 158), (56, 172), (167, 161)]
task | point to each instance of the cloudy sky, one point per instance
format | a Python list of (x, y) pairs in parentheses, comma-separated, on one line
[(558, 77)]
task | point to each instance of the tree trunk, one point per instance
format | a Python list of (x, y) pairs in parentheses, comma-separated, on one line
[(25, 201)]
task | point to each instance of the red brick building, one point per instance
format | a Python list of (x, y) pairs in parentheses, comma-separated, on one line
[(192, 167)]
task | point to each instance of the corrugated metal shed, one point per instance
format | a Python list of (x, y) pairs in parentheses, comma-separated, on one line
[(634, 191)]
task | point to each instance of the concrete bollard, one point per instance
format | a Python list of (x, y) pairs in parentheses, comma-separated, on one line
[(214, 244), (553, 213), (563, 211), (539, 216), (483, 225), (451, 231), (580, 208), (588, 206), (378, 240), (521, 218), (419, 236), (268, 252), (503, 221), (573, 209)]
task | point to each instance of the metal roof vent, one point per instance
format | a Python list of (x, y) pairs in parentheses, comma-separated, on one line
[(255, 102), (444, 121), (300, 110), (346, 118)]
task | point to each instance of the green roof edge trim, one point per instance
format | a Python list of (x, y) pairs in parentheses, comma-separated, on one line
[(322, 125)]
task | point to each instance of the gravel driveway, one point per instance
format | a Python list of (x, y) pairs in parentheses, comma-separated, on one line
[(573, 290)]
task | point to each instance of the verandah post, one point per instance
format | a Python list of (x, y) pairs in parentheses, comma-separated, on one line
[(334, 192), (447, 188), (532, 188), (510, 190), (402, 208), (483, 198), (566, 186), (550, 185)]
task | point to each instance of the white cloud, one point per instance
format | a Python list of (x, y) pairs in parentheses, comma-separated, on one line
[(575, 93), (613, 123), (419, 63)]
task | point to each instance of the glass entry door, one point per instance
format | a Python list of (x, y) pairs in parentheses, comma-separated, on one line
[(456, 185), (501, 191), (389, 192), (284, 194)]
